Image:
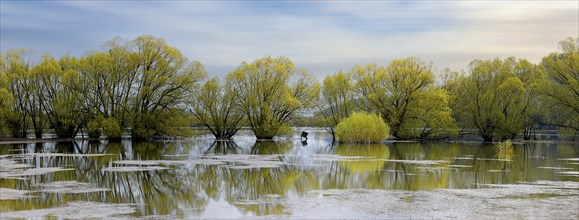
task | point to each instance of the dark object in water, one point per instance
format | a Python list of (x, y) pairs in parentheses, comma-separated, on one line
[(304, 135)]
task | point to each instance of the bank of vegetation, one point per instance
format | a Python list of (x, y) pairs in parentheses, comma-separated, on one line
[(148, 89)]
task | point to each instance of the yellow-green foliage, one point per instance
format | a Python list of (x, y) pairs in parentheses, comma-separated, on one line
[(506, 146), (362, 128), (270, 91), (285, 131), (93, 128), (111, 128), (6, 100)]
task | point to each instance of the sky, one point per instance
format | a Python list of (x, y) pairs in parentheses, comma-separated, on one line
[(320, 36)]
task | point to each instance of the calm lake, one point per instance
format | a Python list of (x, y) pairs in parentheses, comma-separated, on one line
[(201, 178)]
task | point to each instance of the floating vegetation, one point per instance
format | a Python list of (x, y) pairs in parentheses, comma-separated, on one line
[(533, 196), (333, 157), (233, 161), (62, 155), (553, 184), (248, 161), (70, 187), (137, 162), (523, 201), (569, 173), (459, 166), (76, 210), (240, 157), (393, 171), (414, 174), (423, 162), (485, 159), (9, 164), (537, 184), (432, 169), (463, 158), (498, 171), (133, 169), (10, 168), (31, 172), (169, 162), (176, 155), (570, 159), (555, 168), (13, 194)]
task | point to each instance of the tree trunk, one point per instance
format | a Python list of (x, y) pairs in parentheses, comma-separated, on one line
[(38, 132), (487, 139)]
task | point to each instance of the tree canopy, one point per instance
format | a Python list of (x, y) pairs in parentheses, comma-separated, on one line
[(560, 90), (270, 91), (214, 106), (404, 94), (148, 89)]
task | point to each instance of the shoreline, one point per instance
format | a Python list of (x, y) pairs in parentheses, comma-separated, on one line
[(6, 141)]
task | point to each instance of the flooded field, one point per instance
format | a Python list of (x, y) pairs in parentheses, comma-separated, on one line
[(200, 178)]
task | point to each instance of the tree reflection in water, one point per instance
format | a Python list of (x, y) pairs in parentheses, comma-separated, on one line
[(185, 189), (219, 147), (248, 189)]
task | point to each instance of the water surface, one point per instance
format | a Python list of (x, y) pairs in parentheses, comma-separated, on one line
[(201, 178)]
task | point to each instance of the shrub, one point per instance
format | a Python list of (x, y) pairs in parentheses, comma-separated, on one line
[(362, 128), (111, 128), (93, 128)]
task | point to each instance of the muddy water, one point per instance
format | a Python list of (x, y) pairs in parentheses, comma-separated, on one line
[(200, 178)]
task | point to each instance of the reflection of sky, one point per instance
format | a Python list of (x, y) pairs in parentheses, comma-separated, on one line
[(321, 36), (219, 210), (220, 191)]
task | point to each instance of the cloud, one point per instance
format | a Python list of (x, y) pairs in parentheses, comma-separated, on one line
[(321, 36)]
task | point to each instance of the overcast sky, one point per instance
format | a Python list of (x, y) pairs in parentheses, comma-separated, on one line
[(320, 36)]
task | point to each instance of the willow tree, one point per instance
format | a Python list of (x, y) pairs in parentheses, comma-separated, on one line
[(55, 81), (160, 82), (337, 99), (6, 101), (214, 107), (405, 95), (561, 88), (496, 97), (95, 90), (167, 77), (270, 92), (15, 73), (107, 88)]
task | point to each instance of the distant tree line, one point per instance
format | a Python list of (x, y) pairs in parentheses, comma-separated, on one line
[(149, 89)]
